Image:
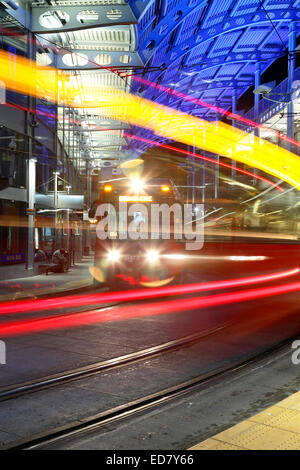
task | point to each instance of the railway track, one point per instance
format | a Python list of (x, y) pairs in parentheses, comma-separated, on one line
[(7, 393), (130, 409)]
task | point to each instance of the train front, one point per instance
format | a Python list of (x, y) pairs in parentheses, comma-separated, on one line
[(135, 240)]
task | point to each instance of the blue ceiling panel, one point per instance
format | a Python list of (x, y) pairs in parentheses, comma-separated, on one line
[(244, 7), (146, 21), (197, 53), (170, 5), (161, 52), (217, 11), (229, 70), (210, 93), (207, 48), (224, 44), (251, 39), (247, 72), (172, 72), (190, 24), (273, 4), (282, 31)]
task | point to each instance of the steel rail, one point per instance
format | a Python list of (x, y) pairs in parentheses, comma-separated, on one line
[(7, 393), (143, 404)]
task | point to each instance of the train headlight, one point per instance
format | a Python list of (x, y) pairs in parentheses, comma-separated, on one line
[(152, 256), (108, 188), (114, 255), (137, 185)]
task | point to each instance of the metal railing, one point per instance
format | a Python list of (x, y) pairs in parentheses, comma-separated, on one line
[(266, 108)]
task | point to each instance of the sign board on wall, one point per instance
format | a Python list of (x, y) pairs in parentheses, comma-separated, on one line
[(12, 258)]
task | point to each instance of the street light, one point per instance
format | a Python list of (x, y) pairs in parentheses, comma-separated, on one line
[(262, 89), (266, 89), (56, 173), (68, 229)]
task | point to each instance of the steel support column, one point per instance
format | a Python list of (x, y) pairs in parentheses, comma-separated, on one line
[(291, 70), (256, 95), (31, 182), (203, 172), (194, 173), (257, 82), (217, 166), (234, 110), (55, 204), (31, 167)]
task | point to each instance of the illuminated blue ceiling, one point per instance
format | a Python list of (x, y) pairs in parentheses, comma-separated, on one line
[(208, 49)]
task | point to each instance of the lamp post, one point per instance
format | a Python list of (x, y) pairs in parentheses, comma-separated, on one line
[(68, 229), (55, 203), (31, 178), (31, 165)]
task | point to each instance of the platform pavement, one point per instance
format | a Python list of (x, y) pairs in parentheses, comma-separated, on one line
[(16, 271), (20, 287), (276, 428)]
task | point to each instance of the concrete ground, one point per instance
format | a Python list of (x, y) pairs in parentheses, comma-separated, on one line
[(35, 356), (16, 271), (183, 423), (21, 286), (246, 327)]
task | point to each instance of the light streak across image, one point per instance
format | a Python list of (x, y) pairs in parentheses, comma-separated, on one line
[(224, 140), (126, 312), (22, 306)]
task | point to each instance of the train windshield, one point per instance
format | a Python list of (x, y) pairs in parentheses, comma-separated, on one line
[(126, 205)]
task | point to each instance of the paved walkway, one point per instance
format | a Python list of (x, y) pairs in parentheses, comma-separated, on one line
[(21, 287), (276, 428), (13, 271)]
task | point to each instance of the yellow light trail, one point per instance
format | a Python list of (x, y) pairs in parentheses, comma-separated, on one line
[(26, 77)]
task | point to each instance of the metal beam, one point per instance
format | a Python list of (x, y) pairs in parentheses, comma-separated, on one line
[(223, 84), (101, 122), (257, 96), (232, 58), (108, 129), (207, 34), (99, 129), (106, 146), (19, 14), (109, 155), (235, 57), (291, 72), (108, 15), (167, 25), (173, 101), (109, 59)]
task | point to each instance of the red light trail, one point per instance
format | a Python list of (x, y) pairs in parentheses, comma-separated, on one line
[(139, 311), (211, 160), (22, 306)]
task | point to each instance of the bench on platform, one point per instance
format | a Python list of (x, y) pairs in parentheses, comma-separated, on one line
[(50, 267)]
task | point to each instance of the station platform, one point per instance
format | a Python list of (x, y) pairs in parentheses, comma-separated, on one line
[(276, 428), (37, 285)]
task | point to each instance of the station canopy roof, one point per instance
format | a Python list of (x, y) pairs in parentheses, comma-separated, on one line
[(205, 49)]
